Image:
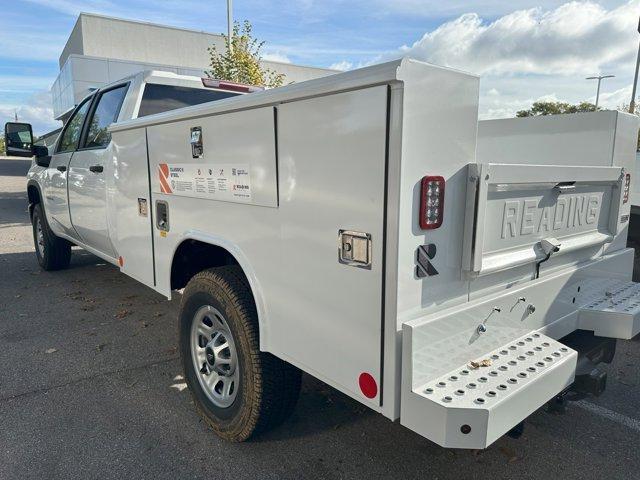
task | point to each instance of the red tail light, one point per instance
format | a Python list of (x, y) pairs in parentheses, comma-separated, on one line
[(431, 202)]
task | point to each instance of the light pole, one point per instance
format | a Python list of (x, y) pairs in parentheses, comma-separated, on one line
[(229, 25), (632, 104), (599, 78)]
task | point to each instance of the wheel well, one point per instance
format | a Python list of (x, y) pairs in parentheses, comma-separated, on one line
[(193, 256), (33, 194)]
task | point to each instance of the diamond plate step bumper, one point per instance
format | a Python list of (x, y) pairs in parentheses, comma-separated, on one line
[(471, 408)]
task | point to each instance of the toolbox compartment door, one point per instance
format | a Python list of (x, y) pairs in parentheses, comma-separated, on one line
[(129, 209), (331, 153), (512, 208)]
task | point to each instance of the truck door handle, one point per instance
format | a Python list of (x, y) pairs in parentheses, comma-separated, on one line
[(96, 168), (62, 168)]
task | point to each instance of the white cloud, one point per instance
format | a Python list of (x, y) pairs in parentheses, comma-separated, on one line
[(502, 97), (276, 57), (536, 54), (37, 111), (342, 65), (574, 38), (501, 106), (439, 8), (615, 99)]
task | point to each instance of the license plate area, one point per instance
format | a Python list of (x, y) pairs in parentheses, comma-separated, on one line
[(512, 208)]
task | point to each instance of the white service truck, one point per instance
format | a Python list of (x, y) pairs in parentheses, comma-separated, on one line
[(364, 228)]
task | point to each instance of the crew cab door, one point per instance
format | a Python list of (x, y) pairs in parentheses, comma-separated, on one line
[(54, 186), (88, 169)]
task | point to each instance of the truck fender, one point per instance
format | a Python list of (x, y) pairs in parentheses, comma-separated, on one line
[(236, 252), (34, 184)]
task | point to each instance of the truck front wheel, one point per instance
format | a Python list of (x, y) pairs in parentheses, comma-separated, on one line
[(53, 253), (239, 390)]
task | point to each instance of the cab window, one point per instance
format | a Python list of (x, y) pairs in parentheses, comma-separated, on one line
[(73, 129), (104, 114), (162, 98)]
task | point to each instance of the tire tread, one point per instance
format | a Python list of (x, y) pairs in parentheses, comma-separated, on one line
[(57, 250), (276, 385)]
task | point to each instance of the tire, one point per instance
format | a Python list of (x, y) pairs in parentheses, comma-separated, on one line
[(53, 253), (238, 390)]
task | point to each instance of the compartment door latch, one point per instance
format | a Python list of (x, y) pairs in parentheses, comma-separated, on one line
[(162, 216), (354, 249)]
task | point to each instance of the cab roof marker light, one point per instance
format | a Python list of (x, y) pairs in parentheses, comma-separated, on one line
[(431, 202), (232, 86)]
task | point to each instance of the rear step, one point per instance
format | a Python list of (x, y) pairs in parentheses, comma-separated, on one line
[(471, 408), (463, 407), (611, 308)]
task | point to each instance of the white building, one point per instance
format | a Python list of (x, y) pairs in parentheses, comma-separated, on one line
[(103, 49)]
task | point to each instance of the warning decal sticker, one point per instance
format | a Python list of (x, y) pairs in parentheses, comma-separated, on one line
[(163, 171), (231, 182)]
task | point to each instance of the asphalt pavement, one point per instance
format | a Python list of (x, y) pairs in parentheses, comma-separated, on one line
[(91, 387)]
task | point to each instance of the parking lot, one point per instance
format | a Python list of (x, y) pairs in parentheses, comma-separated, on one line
[(91, 387)]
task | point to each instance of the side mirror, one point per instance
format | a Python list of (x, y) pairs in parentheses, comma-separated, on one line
[(43, 159), (18, 138)]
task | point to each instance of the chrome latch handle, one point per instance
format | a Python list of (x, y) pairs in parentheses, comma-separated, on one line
[(564, 187)]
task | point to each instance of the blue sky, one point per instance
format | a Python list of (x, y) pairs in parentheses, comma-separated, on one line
[(524, 50)]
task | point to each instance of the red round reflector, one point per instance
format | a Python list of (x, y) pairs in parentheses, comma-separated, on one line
[(368, 385), (120, 261)]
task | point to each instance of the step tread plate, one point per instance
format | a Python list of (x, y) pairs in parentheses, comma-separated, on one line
[(611, 309), (490, 400)]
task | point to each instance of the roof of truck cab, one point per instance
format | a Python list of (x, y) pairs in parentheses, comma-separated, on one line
[(381, 74), (151, 76)]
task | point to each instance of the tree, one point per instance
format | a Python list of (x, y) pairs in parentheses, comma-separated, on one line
[(556, 108), (1, 144), (242, 63)]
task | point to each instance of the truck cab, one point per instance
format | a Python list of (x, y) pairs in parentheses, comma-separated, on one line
[(70, 175)]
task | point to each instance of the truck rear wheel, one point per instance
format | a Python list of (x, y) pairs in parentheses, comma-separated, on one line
[(239, 390), (53, 253)]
